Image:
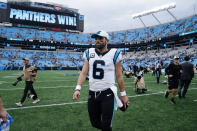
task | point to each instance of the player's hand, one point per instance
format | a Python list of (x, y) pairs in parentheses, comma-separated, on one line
[(4, 114), (125, 100), (76, 95)]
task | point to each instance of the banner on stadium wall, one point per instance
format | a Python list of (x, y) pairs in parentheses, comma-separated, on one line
[(48, 18), (38, 15)]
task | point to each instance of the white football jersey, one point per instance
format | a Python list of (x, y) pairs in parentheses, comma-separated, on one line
[(102, 68)]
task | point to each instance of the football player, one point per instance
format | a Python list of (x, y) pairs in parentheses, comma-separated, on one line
[(102, 64)]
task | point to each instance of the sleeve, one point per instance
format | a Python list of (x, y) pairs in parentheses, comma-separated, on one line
[(30, 69), (34, 69), (86, 55), (117, 56)]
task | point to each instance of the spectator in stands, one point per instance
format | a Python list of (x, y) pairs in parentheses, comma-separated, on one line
[(29, 73), (186, 76), (173, 71), (3, 112)]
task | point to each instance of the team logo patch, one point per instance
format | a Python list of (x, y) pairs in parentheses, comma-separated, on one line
[(92, 55)]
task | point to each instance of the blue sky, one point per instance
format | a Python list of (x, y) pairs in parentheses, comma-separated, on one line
[(115, 15)]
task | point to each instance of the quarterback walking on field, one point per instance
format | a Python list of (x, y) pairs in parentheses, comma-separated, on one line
[(103, 64)]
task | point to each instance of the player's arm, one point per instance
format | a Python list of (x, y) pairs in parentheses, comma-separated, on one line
[(168, 71), (21, 75), (81, 79), (33, 73), (121, 85), (3, 112)]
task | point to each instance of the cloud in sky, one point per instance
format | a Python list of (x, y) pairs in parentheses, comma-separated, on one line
[(115, 15)]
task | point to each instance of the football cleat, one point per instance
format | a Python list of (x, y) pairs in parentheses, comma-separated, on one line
[(19, 104), (172, 101), (36, 101)]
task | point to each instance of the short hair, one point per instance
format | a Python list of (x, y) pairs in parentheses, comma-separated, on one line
[(186, 58)]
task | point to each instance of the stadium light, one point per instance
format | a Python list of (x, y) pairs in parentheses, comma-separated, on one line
[(155, 10)]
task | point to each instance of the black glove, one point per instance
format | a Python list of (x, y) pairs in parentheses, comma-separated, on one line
[(17, 80), (35, 70)]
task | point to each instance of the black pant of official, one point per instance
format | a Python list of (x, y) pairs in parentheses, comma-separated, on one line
[(158, 80), (101, 109), (29, 86), (185, 84)]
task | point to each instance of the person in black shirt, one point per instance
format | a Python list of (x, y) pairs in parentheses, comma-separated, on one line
[(173, 71), (186, 77)]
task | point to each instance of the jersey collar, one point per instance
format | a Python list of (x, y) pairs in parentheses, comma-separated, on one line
[(101, 54)]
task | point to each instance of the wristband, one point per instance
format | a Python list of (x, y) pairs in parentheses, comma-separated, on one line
[(123, 93), (78, 87)]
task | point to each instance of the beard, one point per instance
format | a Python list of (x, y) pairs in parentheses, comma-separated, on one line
[(100, 46)]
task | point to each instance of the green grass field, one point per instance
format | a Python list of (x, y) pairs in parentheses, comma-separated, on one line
[(58, 112)]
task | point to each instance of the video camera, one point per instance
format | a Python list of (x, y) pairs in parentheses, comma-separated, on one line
[(17, 80)]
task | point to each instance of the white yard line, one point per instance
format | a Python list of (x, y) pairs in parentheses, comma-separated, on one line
[(38, 88), (147, 94), (195, 100), (50, 105), (80, 102), (54, 87), (70, 103)]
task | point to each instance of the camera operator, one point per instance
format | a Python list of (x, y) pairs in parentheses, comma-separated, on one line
[(140, 83), (29, 73)]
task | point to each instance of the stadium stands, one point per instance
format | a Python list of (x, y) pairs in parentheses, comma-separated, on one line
[(130, 36), (151, 58), (12, 59)]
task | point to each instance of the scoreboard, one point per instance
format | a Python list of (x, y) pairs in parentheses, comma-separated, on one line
[(43, 16)]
